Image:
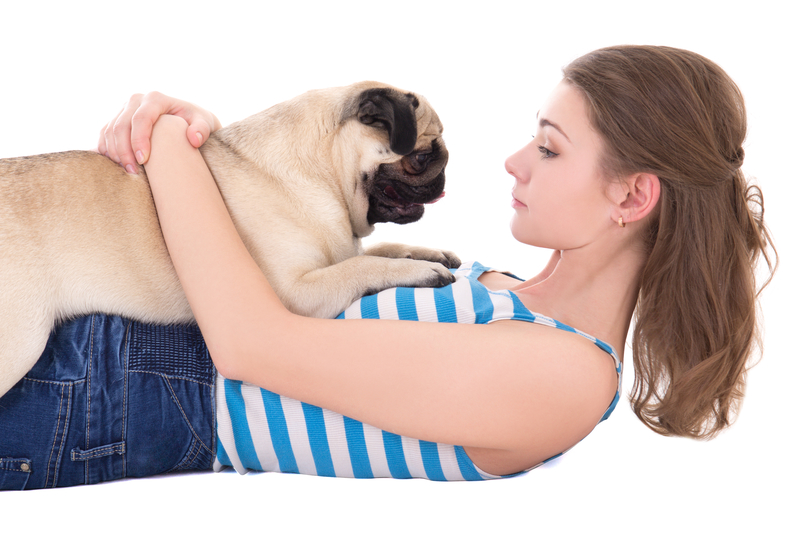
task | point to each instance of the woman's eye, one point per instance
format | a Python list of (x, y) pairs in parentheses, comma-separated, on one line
[(546, 154)]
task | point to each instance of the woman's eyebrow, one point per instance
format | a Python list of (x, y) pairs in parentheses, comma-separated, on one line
[(544, 122)]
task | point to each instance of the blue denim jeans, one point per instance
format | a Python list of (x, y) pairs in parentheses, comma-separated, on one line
[(109, 398)]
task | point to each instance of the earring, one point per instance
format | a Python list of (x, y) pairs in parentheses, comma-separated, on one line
[(621, 223)]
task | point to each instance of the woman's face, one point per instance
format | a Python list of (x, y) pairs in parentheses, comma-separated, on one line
[(559, 195)]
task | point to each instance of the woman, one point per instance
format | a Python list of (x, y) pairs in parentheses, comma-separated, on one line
[(633, 178)]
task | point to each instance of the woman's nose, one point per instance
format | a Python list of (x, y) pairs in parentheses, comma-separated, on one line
[(516, 165)]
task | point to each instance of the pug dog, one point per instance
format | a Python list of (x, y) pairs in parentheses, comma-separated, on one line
[(304, 182)]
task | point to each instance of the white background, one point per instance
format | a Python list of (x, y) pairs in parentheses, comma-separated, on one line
[(67, 67)]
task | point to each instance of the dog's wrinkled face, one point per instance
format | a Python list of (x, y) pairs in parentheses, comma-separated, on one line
[(398, 189)]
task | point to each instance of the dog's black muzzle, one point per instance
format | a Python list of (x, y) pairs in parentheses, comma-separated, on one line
[(398, 191)]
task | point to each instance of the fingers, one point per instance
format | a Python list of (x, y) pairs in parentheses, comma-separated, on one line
[(201, 122), (126, 139), (101, 143), (115, 137), (106, 138), (153, 105)]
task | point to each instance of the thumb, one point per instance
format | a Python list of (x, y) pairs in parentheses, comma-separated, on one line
[(140, 139), (198, 131)]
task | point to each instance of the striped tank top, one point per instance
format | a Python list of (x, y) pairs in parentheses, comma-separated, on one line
[(260, 430)]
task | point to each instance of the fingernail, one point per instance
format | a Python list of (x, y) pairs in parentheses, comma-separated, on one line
[(199, 137), (140, 157), (130, 169)]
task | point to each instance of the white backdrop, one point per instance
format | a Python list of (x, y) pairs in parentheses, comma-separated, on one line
[(67, 68)]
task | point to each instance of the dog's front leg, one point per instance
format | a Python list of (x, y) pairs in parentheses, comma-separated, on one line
[(326, 292)]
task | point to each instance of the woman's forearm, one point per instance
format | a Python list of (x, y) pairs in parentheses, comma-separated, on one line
[(228, 293)]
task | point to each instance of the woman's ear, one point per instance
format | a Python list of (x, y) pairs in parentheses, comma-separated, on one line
[(641, 194)]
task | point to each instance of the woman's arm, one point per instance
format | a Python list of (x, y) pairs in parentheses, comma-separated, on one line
[(525, 391)]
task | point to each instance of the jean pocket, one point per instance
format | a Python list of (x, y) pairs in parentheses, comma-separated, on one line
[(34, 423), (14, 473), (170, 425), (198, 457)]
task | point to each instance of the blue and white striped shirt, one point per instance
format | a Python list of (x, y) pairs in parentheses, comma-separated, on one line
[(260, 430)]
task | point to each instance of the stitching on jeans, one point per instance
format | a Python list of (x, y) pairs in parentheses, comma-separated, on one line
[(180, 407), (191, 455), (197, 452), (192, 459), (163, 375), (55, 436), (89, 396), (125, 355), (188, 458), (63, 436), (54, 382), (213, 398), (15, 465), (104, 451)]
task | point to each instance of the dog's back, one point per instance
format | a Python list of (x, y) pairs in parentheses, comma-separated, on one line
[(87, 228)]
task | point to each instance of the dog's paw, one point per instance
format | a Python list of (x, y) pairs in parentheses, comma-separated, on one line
[(446, 258), (440, 276), (420, 253), (421, 273)]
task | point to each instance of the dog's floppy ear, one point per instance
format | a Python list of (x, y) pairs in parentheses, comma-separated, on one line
[(393, 111)]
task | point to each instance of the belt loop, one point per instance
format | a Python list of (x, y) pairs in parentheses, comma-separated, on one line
[(101, 451)]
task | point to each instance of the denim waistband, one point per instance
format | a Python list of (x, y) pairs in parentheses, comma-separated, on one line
[(109, 398)]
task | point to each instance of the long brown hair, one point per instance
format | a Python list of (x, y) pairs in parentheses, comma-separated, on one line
[(679, 116)]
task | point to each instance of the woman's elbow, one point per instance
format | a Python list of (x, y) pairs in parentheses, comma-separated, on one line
[(227, 362)]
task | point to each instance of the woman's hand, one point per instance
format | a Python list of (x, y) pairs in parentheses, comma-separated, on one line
[(126, 138)]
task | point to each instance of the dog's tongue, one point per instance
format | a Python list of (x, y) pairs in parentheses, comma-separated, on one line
[(391, 193)]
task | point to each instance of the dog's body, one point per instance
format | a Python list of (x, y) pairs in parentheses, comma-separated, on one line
[(304, 181)]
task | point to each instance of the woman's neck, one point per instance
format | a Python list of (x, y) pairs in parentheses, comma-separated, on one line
[(593, 292)]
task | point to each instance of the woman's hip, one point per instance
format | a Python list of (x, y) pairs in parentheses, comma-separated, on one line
[(109, 398)]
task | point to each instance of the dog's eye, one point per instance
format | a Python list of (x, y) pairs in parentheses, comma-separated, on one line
[(417, 163)]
